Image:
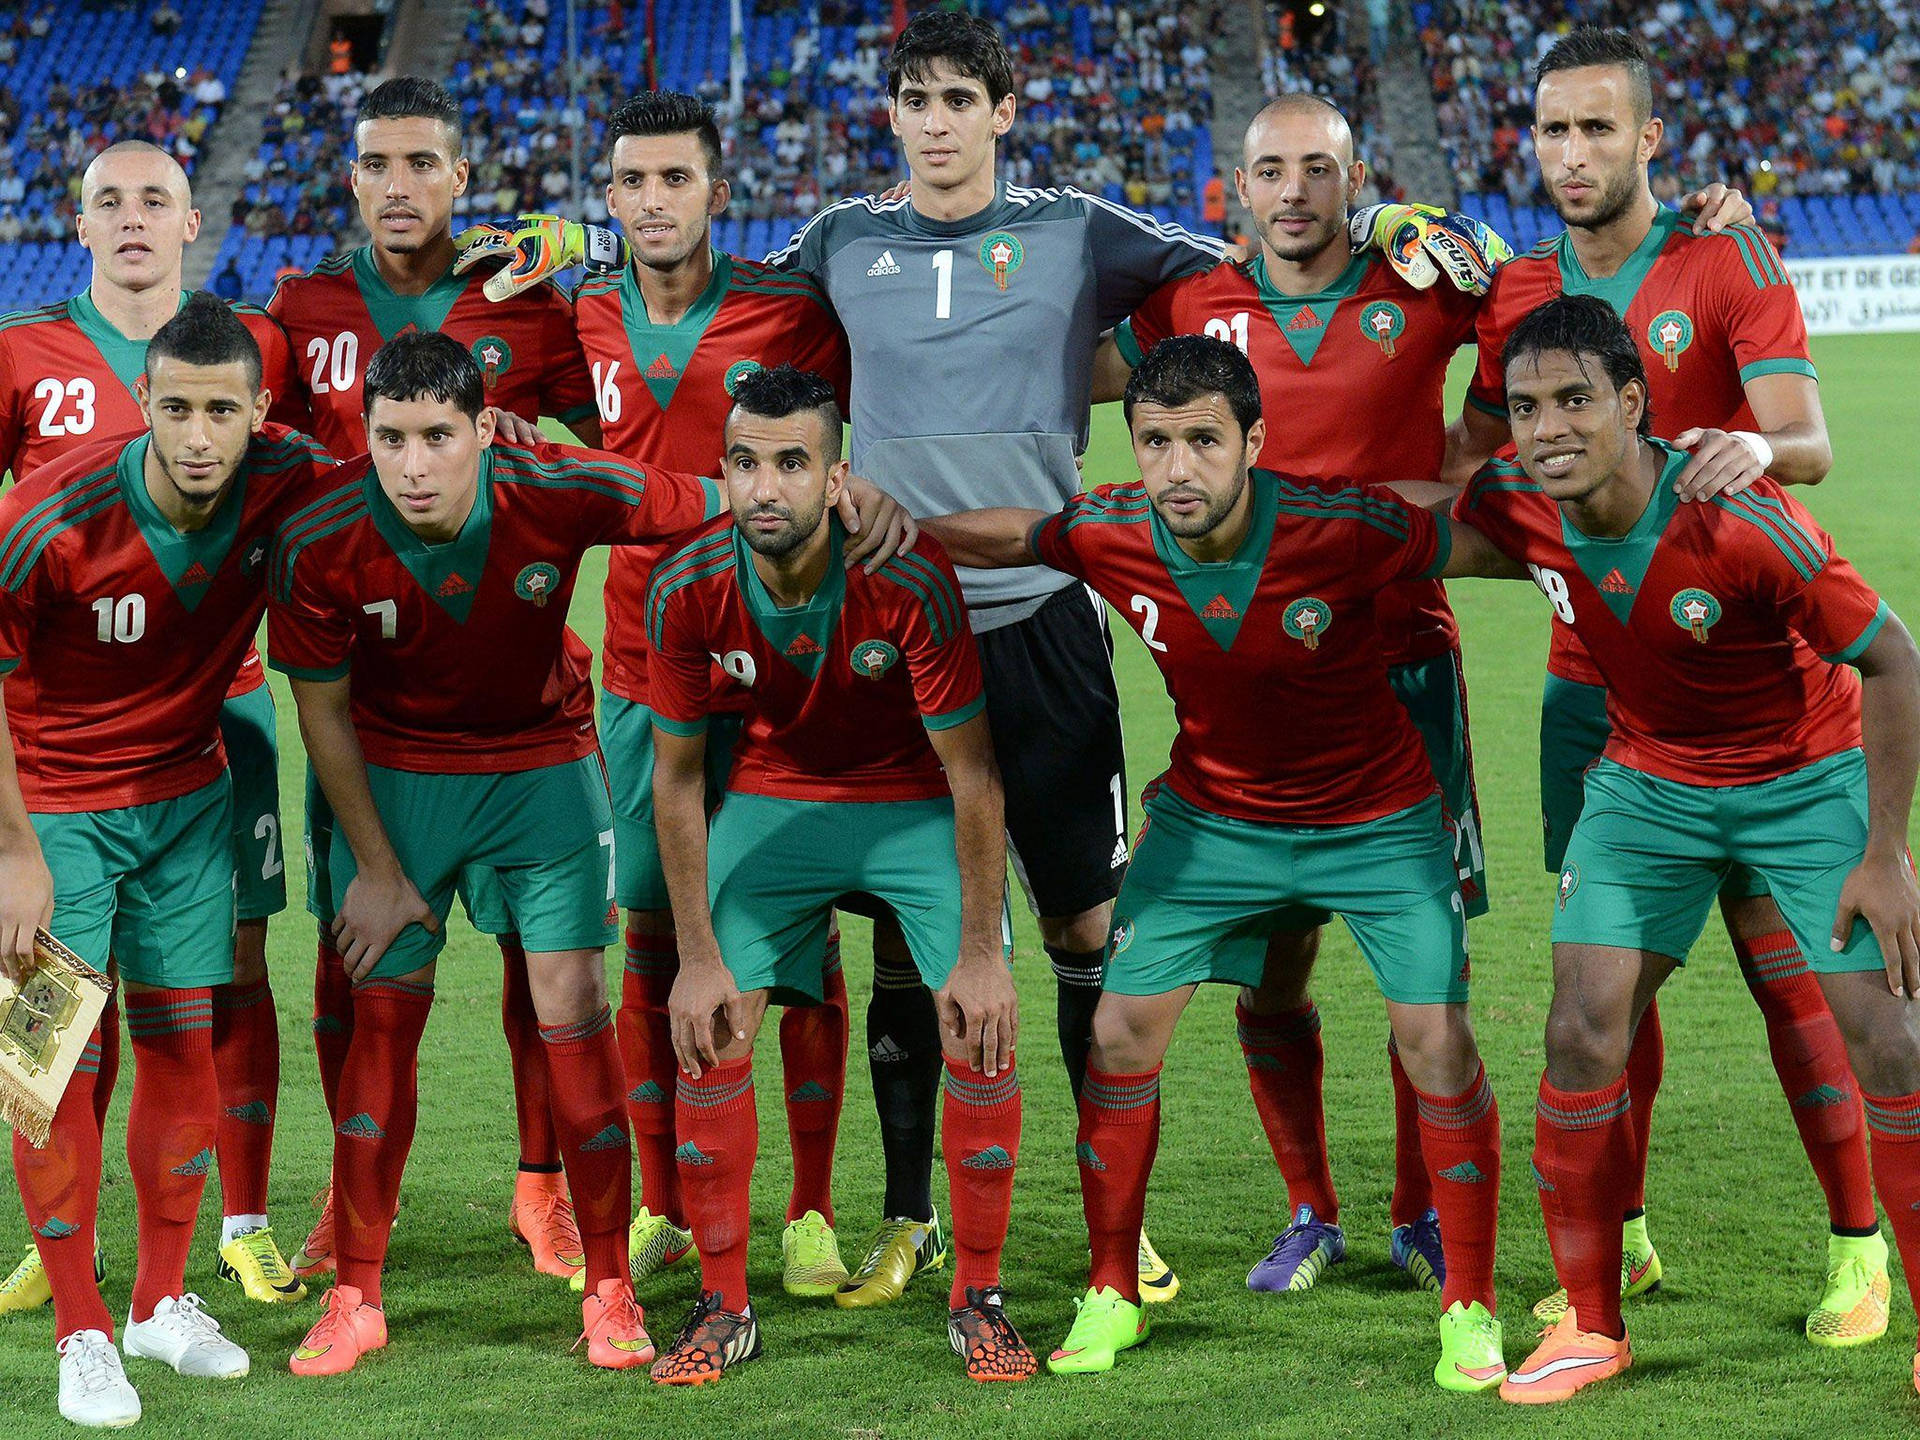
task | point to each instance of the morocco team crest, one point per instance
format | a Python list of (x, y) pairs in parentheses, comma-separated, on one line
[(537, 583), (1569, 882), (1670, 332), (1122, 938), (493, 355), (738, 371), (872, 658), (1383, 322), (1695, 610), (1307, 619), (1000, 255)]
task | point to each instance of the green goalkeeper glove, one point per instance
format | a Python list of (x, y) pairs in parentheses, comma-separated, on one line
[(535, 248), (1422, 242)]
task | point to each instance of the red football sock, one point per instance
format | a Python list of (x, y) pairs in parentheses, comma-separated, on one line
[(1894, 1121), (1646, 1064), (585, 1063), (1119, 1134), (719, 1137), (109, 1039), (1412, 1191), (1460, 1136), (980, 1134), (1285, 1064), (170, 1132), (1811, 1060), (532, 1084), (813, 1060), (380, 1103), (246, 1059), (1583, 1149), (332, 1021), (60, 1190), (646, 1055)]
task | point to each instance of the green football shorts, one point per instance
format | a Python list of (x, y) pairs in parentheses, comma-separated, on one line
[(776, 869), (1649, 855), (250, 731), (1435, 695), (1204, 893), (626, 739), (151, 885)]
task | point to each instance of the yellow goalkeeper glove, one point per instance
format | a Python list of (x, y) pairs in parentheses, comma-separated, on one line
[(535, 248), (1423, 242)]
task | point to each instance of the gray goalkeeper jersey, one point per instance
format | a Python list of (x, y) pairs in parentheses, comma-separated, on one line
[(973, 345)]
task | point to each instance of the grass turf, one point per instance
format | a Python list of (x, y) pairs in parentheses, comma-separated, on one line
[(480, 1342)]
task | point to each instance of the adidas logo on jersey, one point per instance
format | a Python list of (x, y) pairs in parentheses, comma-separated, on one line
[(885, 265), (1219, 608), (611, 1138), (361, 1127), (200, 1164), (991, 1158), (254, 1112), (1616, 584), (803, 644), (1304, 319), (662, 369), (196, 574), (886, 1051), (454, 584)]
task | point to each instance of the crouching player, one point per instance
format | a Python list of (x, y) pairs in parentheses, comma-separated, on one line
[(861, 690), (1256, 596)]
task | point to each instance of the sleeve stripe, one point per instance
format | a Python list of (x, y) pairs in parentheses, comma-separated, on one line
[(1161, 230), (1785, 365), (600, 477), (1763, 523), (960, 716), (698, 553), (1484, 405), (26, 531), (787, 250), (1398, 532), (942, 588), (1854, 651), (665, 589), (320, 519), (16, 574), (1764, 252), (1775, 507), (938, 623), (1131, 516), (1128, 344)]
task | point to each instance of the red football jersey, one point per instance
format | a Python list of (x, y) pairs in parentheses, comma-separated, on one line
[(461, 658), (118, 634), (339, 313), (1721, 630), (840, 691), (1274, 658), (1367, 346), (1709, 313), (664, 392)]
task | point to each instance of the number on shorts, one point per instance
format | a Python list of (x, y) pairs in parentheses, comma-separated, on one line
[(1554, 586), (606, 843), (267, 828), (1460, 910), (124, 620), (1142, 606), (389, 615)]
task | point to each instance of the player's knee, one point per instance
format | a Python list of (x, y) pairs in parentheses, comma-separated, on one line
[(567, 985), (1436, 1047), (1079, 933), (1584, 1050), (250, 952), (1127, 1038)]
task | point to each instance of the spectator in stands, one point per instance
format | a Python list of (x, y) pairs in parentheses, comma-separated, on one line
[(227, 284), (165, 20)]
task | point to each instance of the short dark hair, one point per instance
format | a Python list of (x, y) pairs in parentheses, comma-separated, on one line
[(407, 97), (786, 390), (1592, 45), (205, 331), (667, 112), (1182, 368), (1585, 327), (425, 365), (966, 44)]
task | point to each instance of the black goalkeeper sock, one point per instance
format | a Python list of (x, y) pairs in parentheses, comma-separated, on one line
[(1078, 974), (903, 1053)]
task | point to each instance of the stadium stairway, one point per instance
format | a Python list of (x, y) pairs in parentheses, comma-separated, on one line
[(1237, 96), (1406, 106)]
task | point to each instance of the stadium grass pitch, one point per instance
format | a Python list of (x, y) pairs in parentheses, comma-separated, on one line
[(480, 1342)]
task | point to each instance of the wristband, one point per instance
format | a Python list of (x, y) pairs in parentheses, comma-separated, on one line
[(1762, 451)]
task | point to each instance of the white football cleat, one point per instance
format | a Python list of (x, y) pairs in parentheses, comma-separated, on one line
[(181, 1334), (93, 1385)]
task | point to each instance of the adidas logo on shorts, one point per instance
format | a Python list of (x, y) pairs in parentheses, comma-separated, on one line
[(1119, 854), (885, 265)]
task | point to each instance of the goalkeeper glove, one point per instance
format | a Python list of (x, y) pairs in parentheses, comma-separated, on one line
[(536, 248), (1422, 241)]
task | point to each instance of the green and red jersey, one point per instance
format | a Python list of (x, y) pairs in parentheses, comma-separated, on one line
[(1367, 346), (339, 313), (1274, 659), (1721, 630), (1709, 313), (664, 392), (118, 633), (461, 658), (840, 692)]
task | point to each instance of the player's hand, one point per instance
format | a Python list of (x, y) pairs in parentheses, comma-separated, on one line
[(878, 526), (511, 428), (544, 245), (481, 242), (1423, 242), (373, 912), (1882, 892), (978, 1008), (1715, 208), (26, 905), (1721, 464), (897, 192), (704, 998)]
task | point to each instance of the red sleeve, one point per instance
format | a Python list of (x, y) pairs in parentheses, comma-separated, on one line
[(678, 674), (1396, 541), (291, 404), (1763, 317), (1488, 389), (307, 637), (566, 385), (823, 350), (616, 501), (1791, 561), (1065, 541), (16, 590), (1148, 325), (12, 411), (935, 637)]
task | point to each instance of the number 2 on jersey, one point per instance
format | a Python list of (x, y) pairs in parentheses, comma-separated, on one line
[(57, 419), (336, 364)]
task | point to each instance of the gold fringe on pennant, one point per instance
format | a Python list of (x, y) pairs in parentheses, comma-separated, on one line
[(44, 1026), (24, 1111)]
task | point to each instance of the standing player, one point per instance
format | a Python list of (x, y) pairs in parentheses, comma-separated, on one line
[(1739, 736), (864, 767), (409, 168), (132, 580), (1256, 596), (1730, 379), (68, 374)]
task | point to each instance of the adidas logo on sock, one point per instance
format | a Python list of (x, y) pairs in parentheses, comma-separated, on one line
[(1260, 1060), (611, 1138), (1821, 1097), (55, 1229), (1465, 1173), (885, 265), (1083, 1152), (691, 1154), (254, 1112), (200, 1164), (886, 1052), (812, 1091), (360, 1127), (1540, 1181), (991, 1158), (328, 1025), (647, 1093)]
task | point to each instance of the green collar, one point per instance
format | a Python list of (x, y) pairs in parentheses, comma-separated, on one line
[(189, 560), (127, 358), (1617, 567), (1619, 288), (450, 573), (394, 313), (662, 352), (802, 633), (1303, 319), (1220, 592)]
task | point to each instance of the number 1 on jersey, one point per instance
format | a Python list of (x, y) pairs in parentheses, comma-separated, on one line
[(943, 285)]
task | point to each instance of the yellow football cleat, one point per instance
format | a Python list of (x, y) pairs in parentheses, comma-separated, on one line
[(26, 1288), (899, 1250), (811, 1257), (254, 1263), (1853, 1306), (1158, 1283), (1640, 1274)]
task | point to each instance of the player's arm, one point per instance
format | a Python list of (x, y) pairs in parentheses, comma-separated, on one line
[(26, 885), (704, 996), (978, 1004), (1791, 446), (1111, 370), (995, 539), (1472, 441), (381, 901)]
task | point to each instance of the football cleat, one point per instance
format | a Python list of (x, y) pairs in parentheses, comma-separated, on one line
[(94, 1390), (542, 1220), (613, 1327), (981, 1334), (1471, 1355), (315, 1255), (26, 1288), (253, 1261), (1158, 1283), (1568, 1360), (1640, 1273), (811, 1257), (898, 1251), (1106, 1323), (348, 1329), (1416, 1249), (1853, 1306), (182, 1335), (1301, 1254), (710, 1342)]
